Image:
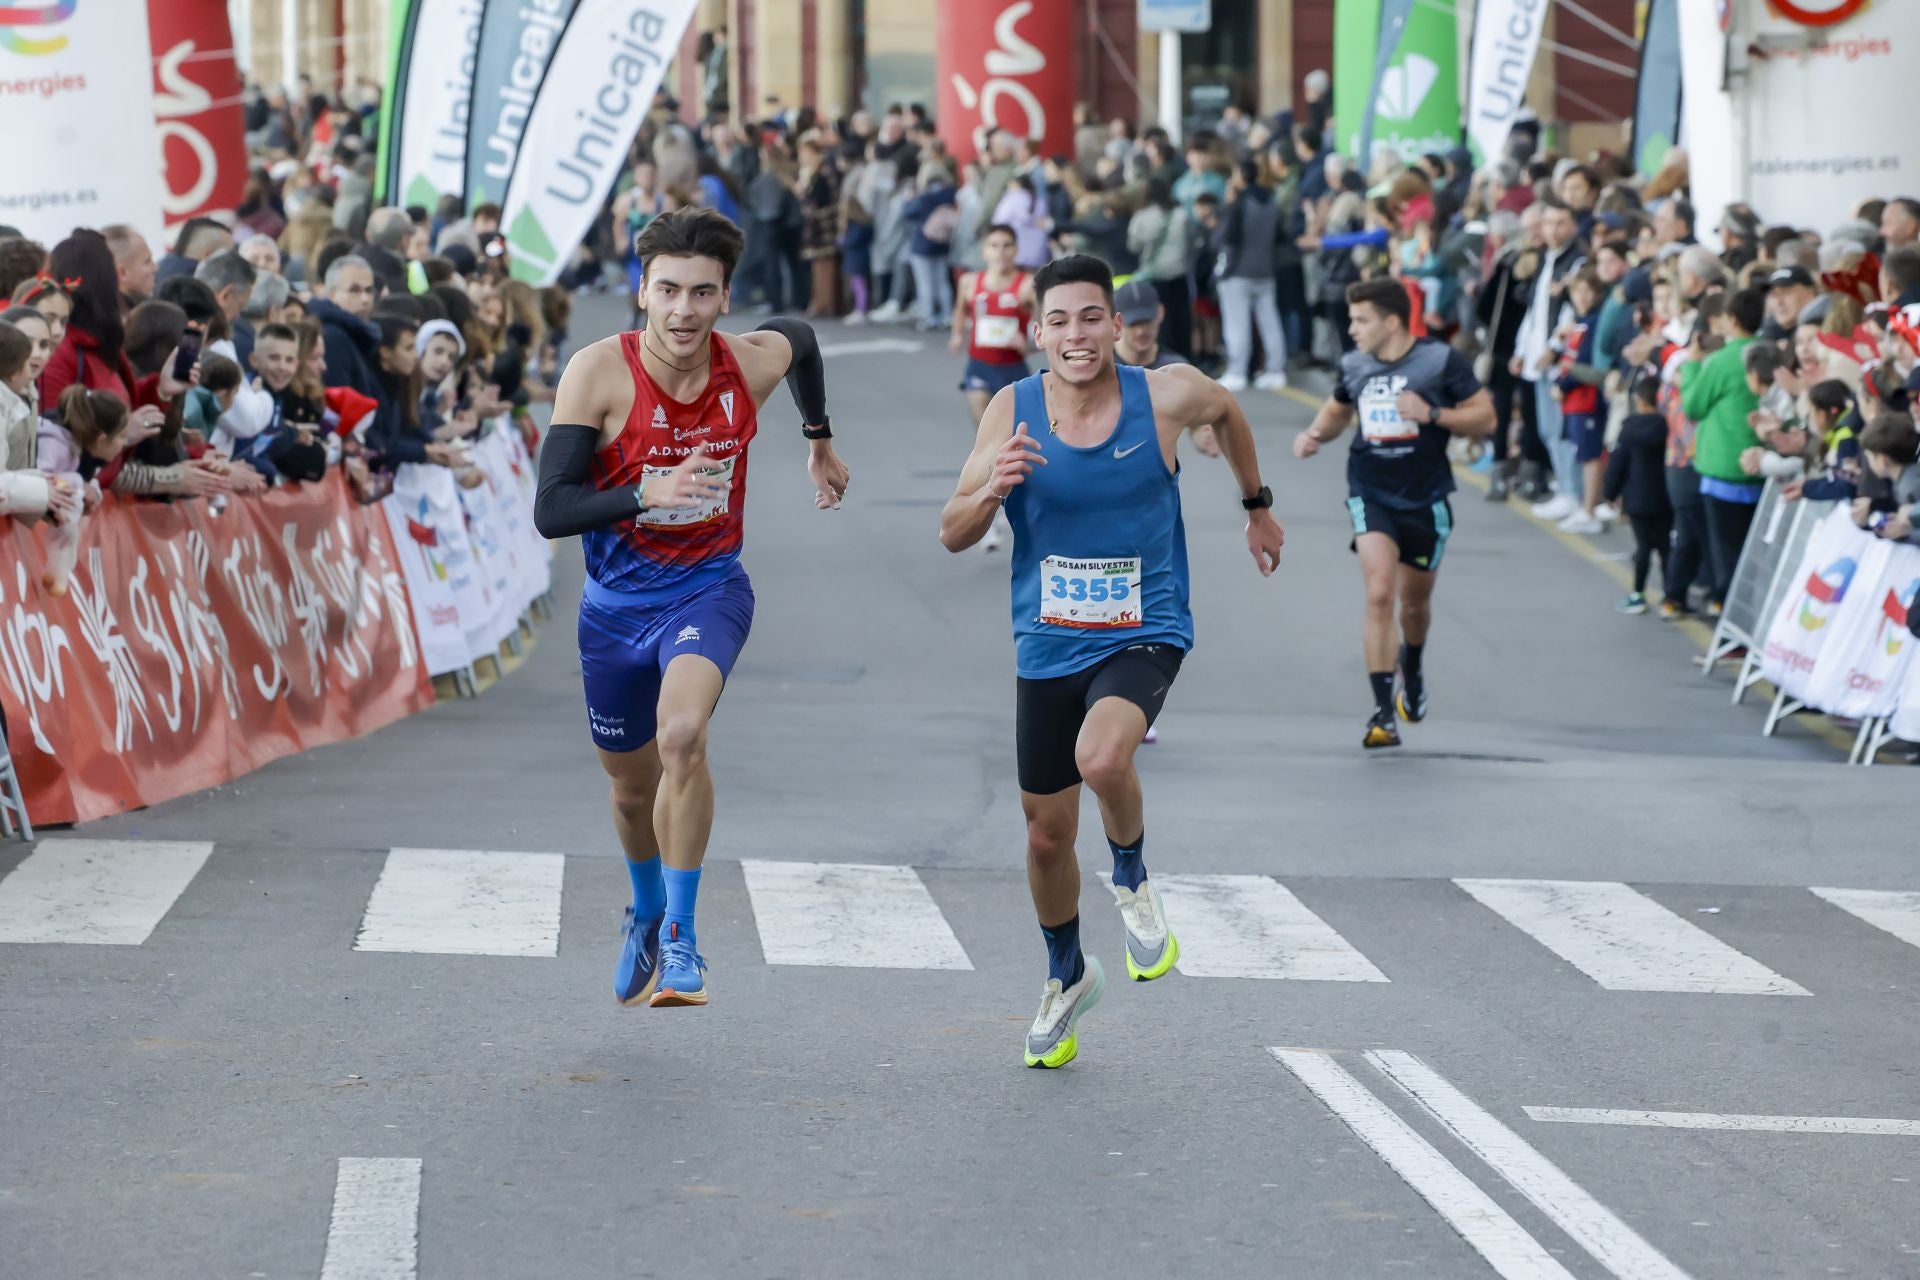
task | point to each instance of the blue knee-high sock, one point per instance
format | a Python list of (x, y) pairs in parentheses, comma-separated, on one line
[(649, 888), (682, 888), (1129, 863), (1063, 952)]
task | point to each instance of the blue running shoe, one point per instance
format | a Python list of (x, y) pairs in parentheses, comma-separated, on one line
[(680, 970), (639, 960)]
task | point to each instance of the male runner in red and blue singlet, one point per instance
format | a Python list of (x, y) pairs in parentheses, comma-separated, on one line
[(647, 462)]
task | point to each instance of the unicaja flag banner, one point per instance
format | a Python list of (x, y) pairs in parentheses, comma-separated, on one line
[(517, 42), (599, 87), (1005, 64), (1656, 102), (1506, 40), (1820, 601), (1417, 107), (74, 72), (424, 143)]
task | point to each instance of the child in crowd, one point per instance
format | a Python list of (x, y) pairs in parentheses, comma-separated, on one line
[(85, 431), (289, 446), (26, 493), (1892, 447), (1636, 482), (1836, 424), (1579, 459)]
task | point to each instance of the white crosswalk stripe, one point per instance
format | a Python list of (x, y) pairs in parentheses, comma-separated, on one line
[(96, 891), (1624, 940), (465, 902), (849, 915), (1895, 911), (1254, 927), (375, 1230)]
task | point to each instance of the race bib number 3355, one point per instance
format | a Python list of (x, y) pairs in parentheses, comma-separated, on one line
[(1090, 593)]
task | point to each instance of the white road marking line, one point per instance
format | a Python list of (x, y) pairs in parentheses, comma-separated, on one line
[(1896, 911), (849, 915), (1715, 1120), (1624, 940), (109, 892), (1254, 927), (1591, 1224), (375, 1231), (1470, 1211), (869, 346), (465, 902)]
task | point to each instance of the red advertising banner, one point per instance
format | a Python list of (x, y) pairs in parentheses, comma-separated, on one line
[(196, 102), (1006, 64), (190, 648)]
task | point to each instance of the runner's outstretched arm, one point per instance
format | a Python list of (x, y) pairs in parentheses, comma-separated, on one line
[(1197, 400), (1326, 427), (784, 347), (1001, 458)]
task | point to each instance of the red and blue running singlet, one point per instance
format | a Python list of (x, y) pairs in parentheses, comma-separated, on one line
[(672, 554)]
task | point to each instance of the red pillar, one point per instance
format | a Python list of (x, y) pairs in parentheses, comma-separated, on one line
[(1007, 63)]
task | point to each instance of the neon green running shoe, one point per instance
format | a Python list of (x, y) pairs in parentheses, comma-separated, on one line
[(1052, 1040), (1151, 947)]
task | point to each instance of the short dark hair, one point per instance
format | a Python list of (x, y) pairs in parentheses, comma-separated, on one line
[(1902, 266), (1748, 309), (1075, 268), (693, 233), (217, 373), (1646, 387), (1763, 360), (1891, 435), (277, 332), (1001, 229), (15, 347), (1682, 211), (1385, 295), (487, 209)]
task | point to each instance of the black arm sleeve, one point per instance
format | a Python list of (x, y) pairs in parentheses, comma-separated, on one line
[(567, 503), (807, 375)]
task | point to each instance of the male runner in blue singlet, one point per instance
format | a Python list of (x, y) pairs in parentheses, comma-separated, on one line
[(647, 462), (1082, 458)]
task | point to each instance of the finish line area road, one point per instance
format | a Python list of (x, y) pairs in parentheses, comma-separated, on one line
[(1588, 979)]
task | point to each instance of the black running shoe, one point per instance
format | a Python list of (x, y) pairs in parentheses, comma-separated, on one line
[(1381, 731), (1412, 698)]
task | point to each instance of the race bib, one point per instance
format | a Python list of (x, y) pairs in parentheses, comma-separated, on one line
[(1090, 593), (675, 517), (1380, 420), (997, 331)]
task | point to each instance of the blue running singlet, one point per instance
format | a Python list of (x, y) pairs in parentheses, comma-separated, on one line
[(1099, 548)]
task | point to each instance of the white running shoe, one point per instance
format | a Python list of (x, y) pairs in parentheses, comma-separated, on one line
[(1151, 946), (1153, 736), (1053, 1040), (1581, 522), (1606, 513), (1233, 381), (854, 317), (1271, 382), (994, 539), (1558, 507), (885, 313)]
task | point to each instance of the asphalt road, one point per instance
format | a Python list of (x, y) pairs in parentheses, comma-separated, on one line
[(1586, 882)]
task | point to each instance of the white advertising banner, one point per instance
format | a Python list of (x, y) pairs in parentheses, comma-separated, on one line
[(1811, 610), (436, 606), (1808, 90), (1506, 39), (599, 86), (1906, 715), (435, 100), (1861, 669), (431, 499), (76, 92)]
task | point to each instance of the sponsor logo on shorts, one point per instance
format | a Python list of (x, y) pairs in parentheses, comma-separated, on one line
[(686, 634), (607, 726)]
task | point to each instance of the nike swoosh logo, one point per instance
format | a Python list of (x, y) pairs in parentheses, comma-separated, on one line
[(1118, 452)]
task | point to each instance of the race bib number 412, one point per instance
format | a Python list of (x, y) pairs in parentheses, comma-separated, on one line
[(1090, 593), (1380, 420)]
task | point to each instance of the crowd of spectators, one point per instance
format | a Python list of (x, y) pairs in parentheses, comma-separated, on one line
[(313, 328), (309, 330)]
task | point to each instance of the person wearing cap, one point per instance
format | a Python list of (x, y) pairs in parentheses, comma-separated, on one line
[(1141, 315), (1790, 290)]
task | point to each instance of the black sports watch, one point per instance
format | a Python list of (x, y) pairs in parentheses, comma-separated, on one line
[(1259, 501), (822, 432)]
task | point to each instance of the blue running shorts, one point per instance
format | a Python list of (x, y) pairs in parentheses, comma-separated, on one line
[(625, 649)]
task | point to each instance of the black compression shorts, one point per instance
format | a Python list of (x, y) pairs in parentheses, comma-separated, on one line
[(1050, 712)]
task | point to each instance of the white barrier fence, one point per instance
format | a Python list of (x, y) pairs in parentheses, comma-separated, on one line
[(1832, 635), (474, 563)]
